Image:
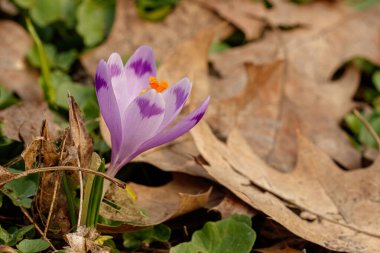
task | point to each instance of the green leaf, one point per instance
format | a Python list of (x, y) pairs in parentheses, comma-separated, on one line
[(353, 123), (231, 235), (45, 12), (56, 60), (95, 198), (24, 3), (218, 47), (95, 18), (155, 10), (134, 240), (32, 245), (84, 95), (46, 78), (22, 190), (364, 136), (376, 80), (7, 98), (5, 237), (18, 234)]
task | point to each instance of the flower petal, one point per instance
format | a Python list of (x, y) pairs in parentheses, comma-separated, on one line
[(176, 131), (175, 97), (139, 68), (108, 103), (119, 81), (141, 122)]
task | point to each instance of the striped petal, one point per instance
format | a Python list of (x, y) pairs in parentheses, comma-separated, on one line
[(119, 81), (175, 98), (139, 68), (108, 103), (140, 123), (176, 131)]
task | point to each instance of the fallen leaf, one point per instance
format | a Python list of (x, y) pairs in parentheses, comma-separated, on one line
[(16, 75), (305, 95), (155, 204), (79, 135), (278, 248), (83, 241), (162, 36), (232, 205), (236, 167), (303, 20), (7, 249), (5, 175), (23, 122)]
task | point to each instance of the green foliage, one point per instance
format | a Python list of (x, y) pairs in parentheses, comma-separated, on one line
[(233, 234), (32, 245), (134, 240), (218, 47), (46, 12), (95, 198), (93, 30), (46, 79), (155, 10), (22, 190), (7, 98), (84, 95), (57, 60), (13, 235)]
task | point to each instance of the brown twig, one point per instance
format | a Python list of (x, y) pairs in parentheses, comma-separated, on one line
[(64, 168), (369, 127), (37, 227), (51, 206)]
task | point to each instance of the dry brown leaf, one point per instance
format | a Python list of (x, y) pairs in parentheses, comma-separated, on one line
[(83, 241), (232, 205), (278, 248), (235, 166), (5, 175), (182, 195), (23, 122), (7, 249), (78, 134), (16, 75), (305, 19), (130, 31)]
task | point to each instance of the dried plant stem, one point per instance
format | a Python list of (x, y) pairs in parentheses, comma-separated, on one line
[(64, 168), (80, 196), (51, 207), (368, 126), (37, 228)]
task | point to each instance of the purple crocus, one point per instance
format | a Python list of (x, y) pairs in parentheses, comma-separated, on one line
[(137, 108)]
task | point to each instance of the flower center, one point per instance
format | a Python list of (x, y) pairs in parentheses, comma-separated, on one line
[(156, 85)]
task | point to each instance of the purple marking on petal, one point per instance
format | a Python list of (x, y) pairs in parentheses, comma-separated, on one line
[(115, 70), (148, 110), (141, 67), (198, 117), (180, 96), (100, 82)]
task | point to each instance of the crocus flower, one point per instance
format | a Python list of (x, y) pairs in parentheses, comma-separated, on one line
[(137, 108)]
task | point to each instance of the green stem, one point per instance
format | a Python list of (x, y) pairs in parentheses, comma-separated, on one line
[(95, 198), (70, 201)]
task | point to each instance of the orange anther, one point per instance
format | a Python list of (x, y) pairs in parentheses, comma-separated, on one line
[(159, 87)]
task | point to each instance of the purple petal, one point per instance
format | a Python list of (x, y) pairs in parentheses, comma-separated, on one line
[(140, 123), (175, 97), (107, 103), (139, 68), (123, 91), (176, 131)]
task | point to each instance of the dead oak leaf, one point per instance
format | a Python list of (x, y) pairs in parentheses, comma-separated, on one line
[(130, 31), (308, 99), (247, 176), (23, 122), (16, 75), (155, 204), (304, 20)]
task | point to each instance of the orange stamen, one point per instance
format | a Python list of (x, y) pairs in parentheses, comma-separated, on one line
[(156, 85)]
